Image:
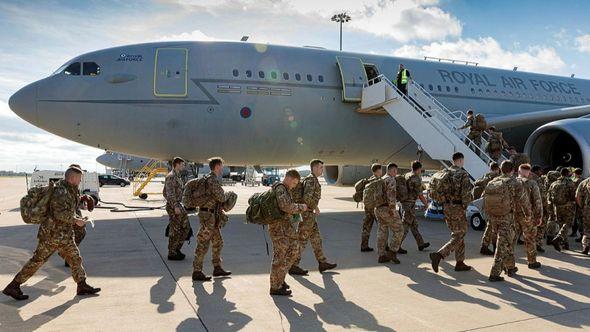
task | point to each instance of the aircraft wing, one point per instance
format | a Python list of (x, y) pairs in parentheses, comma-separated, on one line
[(520, 119)]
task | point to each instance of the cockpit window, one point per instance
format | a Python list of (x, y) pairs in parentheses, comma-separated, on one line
[(73, 69), (90, 69)]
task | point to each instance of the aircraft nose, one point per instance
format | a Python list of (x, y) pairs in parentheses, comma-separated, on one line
[(24, 103)]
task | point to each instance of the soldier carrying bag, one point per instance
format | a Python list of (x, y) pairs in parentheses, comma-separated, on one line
[(497, 198), (559, 193), (479, 123), (374, 194), (34, 206), (402, 192), (195, 192), (441, 186), (263, 208)]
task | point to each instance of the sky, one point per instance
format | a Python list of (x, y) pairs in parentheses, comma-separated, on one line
[(37, 37)]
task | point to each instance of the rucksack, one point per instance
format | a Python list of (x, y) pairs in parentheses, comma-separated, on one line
[(497, 198), (263, 208), (359, 186), (401, 188), (374, 194), (495, 143), (195, 193), (441, 186), (479, 122), (34, 206), (558, 191)]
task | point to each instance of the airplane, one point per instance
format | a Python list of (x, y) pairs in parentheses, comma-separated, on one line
[(262, 104)]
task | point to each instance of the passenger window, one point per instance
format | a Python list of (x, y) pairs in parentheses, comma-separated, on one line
[(273, 75), (309, 77), (236, 73), (456, 90), (248, 73), (438, 88), (298, 77), (261, 74), (430, 87), (286, 76), (73, 69), (448, 88), (90, 69), (321, 78), (472, 90)]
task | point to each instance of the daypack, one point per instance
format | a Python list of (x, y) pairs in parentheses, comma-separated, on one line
[(374, 194), (359, 186), (479, 122), (441, 186), (401, 188), (263, 208), (495, 142), (195, 193), (34, 206), (497, 198), (559, 194)]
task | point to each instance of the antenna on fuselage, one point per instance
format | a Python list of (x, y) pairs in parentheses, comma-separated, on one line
[(244, 38)]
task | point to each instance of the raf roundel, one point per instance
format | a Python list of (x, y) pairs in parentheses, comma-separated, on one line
[(245, 112)]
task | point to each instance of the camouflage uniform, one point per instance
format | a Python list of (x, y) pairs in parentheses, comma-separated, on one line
[(454, 211), (563, 212), (474, 134), (308, 229), (285, 246), (56, 234), (79, 231), (583, 196), (389, 219), (530, 211), (414, 182), (518, 159), (496, 151), (178, 225), (367, 222), (551, 227), (488, 234), (210, 230), (578, 219)]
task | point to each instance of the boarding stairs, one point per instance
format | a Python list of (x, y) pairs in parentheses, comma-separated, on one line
[(146, 175), (427, 121)]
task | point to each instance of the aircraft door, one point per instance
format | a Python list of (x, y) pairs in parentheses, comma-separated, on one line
[(170, 72), (353, 75)]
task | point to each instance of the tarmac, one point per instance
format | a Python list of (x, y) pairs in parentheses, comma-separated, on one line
[(125, 254)]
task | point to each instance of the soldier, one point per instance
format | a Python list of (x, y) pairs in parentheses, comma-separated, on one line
[(56, 234), (549, 228), (389, 220), (178, 225), (518, 158), (369, 214), (308, 229), (562, 195), (578, 223), (488, 235), (500, 196), (529, 217), (496, 143), (282, 234), (459, 196), (583, 201), (414, 185), (476, 125), (210, 230), (537, 175)]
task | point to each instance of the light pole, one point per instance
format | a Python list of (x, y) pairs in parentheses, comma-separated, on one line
[(341, 18)]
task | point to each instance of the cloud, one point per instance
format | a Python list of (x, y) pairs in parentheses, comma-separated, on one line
[(583, 43), (194, 35), (488, 52)]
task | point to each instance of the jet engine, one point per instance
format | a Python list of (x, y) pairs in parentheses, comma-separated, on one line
[(561, 143), (345, 175)]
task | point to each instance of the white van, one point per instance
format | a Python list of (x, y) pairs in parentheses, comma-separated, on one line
[(89, 184)]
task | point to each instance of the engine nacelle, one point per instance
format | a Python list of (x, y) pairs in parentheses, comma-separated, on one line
[(561, 143), (346, 175)]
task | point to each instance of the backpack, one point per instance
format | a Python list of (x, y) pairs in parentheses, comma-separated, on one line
[(479, 122), (263, 208), (558, 191), (401, 188), (495, 143), (195, 193), (34, 206), (359, 186), (441, 186), (297, 192), (497, 200), (374, 194)]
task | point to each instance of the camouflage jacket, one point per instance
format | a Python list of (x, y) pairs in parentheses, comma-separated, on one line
[(583, 193), (468, 123), (390, 190), (173, 189), (519, 159), (482, 182), (562, 189), (285, 202), (312, 191), (215, 193), (414, 182), (462, 185), (519, 196), (532, 204), (64, 207)]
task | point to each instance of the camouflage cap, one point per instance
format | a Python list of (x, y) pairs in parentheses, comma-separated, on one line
[(230, 201)]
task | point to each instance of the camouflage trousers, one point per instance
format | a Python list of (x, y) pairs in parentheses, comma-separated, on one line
[(389, 221), (488, 236), (79, 235), (565, 218), (178, 229), (504, 243), (457, 224), (45, 248), (542, 228), (308, 230), (475, 136), (285, 250), (528, 228), (410, 222), (586, 220), (209, 233), (367, 227)]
